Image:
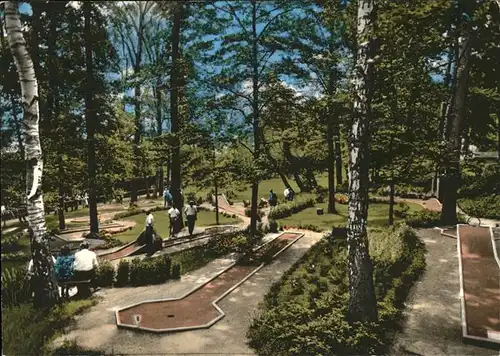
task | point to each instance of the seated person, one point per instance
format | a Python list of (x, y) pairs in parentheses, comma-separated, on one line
[(84, 267), (64, 268)]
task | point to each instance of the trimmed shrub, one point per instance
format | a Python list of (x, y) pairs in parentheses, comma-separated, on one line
[(122, 273), (134, 271), (15, 287), (290, 208), (260, 213), (401, 210), (105, 274), (273, 225), (482, 207), (176, 271), (131, 211)]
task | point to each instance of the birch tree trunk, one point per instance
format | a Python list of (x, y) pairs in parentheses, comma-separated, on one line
[(45, 286), (362, 302)]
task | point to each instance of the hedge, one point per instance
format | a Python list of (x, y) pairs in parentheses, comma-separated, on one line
[(482, 207), (284, 210), (305, 312), (162, 268), (428, 218)]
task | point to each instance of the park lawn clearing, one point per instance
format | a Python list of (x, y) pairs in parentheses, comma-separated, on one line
[(305, 312), (378, 215), (27, 331), (162, 223)]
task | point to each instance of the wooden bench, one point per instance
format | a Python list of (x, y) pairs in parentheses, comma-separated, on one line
[(86, 283)]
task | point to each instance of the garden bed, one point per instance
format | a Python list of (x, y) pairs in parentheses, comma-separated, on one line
[(28, 331), (305, 312)]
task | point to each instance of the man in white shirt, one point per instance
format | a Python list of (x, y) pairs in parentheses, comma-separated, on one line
[(85, 263), (149, 228), (174, 215), (287, 193), (191, 210)]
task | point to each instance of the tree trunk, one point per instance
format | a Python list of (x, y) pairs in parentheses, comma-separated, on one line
[(159, 130), (90, 121), (146, 180), (453, 131), (331, 157), (275, 163), (137, 143), (174, 107), (338, 155), (216, 188), (138, 124), (17, 126), (53, 109), (255, 123), (168, 177), (46, 288), (391, 202), (498, 136), (293, 161), (362, 303)]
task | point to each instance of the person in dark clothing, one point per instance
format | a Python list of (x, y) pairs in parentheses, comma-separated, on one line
[(64, 268), (191, 211), (273, 199), (149, 230)]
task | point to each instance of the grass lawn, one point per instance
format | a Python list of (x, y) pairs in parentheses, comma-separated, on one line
[(205, 218), (377, 216)]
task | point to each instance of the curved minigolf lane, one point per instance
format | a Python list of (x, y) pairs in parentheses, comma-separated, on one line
[(198, 308)]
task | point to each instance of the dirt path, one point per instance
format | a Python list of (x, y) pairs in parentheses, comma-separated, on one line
[(433, 325)]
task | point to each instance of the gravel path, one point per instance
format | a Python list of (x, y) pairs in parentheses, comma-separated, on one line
[(433, 325)]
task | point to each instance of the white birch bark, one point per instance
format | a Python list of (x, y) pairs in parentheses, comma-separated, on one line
[(47, 287), (362, 302)]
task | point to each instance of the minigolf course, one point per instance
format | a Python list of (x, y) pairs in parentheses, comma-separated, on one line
[(134, 247), (480, 284), (198, 308)]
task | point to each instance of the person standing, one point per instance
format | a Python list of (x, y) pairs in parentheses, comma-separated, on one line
[(273, 199), (167, 198), (191, 211), (287, 194), (149, 229), (174, 215)]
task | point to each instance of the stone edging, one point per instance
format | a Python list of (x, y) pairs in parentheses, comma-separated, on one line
[(214, 303)]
